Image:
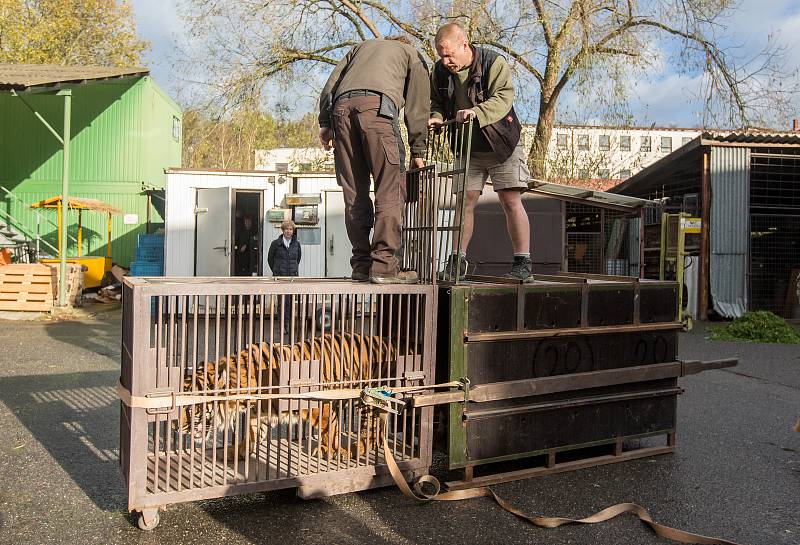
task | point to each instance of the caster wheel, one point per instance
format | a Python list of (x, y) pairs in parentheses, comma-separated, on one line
[(148, 519)]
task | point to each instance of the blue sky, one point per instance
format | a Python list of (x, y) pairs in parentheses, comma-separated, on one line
[(666, 98)]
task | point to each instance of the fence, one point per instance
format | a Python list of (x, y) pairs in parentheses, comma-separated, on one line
[(602, 241), (231, 387)]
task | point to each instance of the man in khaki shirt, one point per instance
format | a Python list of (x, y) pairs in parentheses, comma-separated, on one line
[(359, 110), (473, 85)]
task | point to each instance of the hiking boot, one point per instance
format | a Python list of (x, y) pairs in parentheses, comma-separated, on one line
[(359, 276), (455, 265), (402, 277), (522, 269)]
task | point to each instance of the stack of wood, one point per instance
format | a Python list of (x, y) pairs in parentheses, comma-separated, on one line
[(34, 287)]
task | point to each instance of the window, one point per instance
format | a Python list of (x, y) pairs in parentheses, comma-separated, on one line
[(645, 145), (583, 141), (685, 140), (624, 174), (583, 173), (666, 144), (605, 142), (625, 143), (561, 141), (604, 173), (176, 128)]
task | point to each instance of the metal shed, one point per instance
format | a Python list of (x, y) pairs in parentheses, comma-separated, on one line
[(745, 187), (195, 198), (86, 131), (572, 229)]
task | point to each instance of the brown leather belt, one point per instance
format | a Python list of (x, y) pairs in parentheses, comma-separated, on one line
[(357, 93)]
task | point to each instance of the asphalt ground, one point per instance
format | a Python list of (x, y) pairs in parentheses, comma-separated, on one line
[(736, 473)]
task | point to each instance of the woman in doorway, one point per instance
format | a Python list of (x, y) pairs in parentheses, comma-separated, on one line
[(284, 260)]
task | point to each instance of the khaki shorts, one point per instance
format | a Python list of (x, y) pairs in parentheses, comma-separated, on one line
[(513, 173)]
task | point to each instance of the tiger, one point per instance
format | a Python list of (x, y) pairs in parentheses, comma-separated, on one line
[(239, 374), (192, 419), (347, 358), (352, 360)]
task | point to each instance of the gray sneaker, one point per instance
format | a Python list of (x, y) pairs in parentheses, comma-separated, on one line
[(402, 277), (456, 265), (359, 276), (522, 269)]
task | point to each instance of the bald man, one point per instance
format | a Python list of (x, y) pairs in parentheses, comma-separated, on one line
[(473, 85)]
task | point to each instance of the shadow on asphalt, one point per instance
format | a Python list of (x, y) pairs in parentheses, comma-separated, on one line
[(75, 416), (101, 338)]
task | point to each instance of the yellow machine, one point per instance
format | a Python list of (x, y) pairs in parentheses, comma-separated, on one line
[(96, 266), (674, 249)]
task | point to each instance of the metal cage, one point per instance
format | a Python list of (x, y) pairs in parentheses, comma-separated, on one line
[(214, 374), (435, 203)]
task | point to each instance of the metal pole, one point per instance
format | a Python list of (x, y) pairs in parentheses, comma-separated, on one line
[(62, 273)]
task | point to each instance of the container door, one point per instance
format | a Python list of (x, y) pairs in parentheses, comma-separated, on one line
[(338, 249), (213, 232)]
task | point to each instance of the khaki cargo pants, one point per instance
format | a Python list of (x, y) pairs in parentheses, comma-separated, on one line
[(367, 144)]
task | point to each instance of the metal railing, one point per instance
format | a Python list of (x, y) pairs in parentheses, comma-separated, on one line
[(435, 204), (13, 223), (19, 226)]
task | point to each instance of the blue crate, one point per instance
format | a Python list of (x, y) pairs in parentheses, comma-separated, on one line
[(150, 253), (146, 268), (151, 240)]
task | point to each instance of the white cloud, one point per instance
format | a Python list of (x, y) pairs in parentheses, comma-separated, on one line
[(664, 98), (158, 22)]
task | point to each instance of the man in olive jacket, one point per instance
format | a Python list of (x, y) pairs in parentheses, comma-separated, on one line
[(358, 117), (472, 84)]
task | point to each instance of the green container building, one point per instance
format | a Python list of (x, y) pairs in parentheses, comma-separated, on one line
[(124, 132)]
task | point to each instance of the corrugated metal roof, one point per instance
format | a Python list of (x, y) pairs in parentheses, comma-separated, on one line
[(750, 137), (24, 76), (589, 196)]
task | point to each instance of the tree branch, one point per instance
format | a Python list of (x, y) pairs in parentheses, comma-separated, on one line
[(360, 14), (350, 17), (516, 56), (548, 31), (405, 27)]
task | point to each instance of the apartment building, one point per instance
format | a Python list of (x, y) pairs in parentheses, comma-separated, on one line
[(576, 152), (606, 152), (294, 160)]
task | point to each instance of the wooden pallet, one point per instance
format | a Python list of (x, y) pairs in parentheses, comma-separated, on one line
[(34, 287), (26, 287)]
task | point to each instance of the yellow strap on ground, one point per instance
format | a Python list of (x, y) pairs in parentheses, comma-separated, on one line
[(434, 494)]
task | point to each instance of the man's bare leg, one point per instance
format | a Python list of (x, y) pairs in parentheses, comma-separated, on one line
[(468, 221), (519, 228)]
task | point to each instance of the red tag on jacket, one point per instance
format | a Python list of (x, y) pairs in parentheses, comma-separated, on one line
[(509, 119)]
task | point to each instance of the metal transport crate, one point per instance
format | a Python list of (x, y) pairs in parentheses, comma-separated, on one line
[(563, 364)]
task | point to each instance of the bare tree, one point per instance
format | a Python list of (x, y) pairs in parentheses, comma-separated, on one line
[(588, 46)]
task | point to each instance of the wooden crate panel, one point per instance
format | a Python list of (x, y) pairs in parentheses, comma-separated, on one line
[(26, 287), (34, 287)]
